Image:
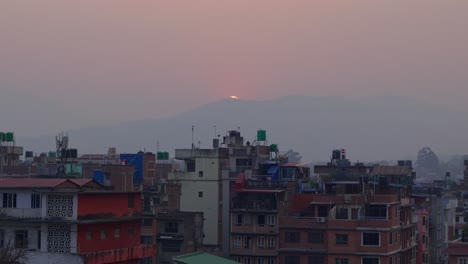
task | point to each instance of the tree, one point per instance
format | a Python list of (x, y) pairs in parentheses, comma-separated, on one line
[(9, 254), (427, 162), (293, 156)]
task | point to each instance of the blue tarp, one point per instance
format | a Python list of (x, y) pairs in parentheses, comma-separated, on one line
[(272, 170)]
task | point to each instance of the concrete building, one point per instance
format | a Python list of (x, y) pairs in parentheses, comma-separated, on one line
[(178, 233), (207, 179), (457, 250), (437, 235), (71, 221)]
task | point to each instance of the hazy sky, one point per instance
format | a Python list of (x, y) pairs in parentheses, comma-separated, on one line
[(69, 64)]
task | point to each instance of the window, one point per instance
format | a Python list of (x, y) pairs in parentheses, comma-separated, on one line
[(200, 194), (9, 200), (376, 211), (370, 239), (316, 237), (292, 259), (156, 201), (342, 213), (424, 220), (390, 238), (271, 242), (103, 234), (171, 246), (171, 227), (2, 238), (238, 219), (246, 242), (35, 200), (147, 260), (237, 241), (322, 211), (370, 260), (147, 222), (341, 261), (341, 239), (200, 174), (260, 242), (271, 220), (131, 202), (315, 260), (261, 220), (190, 165), (39, 240), (131, 231), (146, 240), (21, 239), (292, 237), (462, 260), (117, 232), (89, 235)]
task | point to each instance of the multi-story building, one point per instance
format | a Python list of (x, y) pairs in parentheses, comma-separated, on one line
[(437, 235), (354, 214), (178, 233), (71, 221), (422, 210), (207, 179), (256, 206), (457, 250)]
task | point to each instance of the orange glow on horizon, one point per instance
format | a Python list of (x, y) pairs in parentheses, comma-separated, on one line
[(234, 97)]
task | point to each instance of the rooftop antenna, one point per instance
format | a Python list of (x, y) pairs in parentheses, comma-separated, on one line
[(193, 145)]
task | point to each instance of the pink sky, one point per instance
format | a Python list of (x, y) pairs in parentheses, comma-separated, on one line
[(100, 62)]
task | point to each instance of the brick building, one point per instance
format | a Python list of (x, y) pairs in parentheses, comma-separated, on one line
[(71, 221)]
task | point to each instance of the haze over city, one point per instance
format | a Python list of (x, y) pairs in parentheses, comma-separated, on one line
[(87, 63)]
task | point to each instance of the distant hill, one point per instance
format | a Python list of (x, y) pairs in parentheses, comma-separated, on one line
[(372, 128)]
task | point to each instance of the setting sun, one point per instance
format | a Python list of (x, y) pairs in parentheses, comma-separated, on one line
[(234, 97)]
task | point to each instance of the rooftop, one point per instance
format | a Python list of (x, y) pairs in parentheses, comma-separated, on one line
[(202, 258)]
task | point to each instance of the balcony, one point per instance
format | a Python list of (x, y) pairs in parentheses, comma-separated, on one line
[(267, 185), (254, 206), (20, 213)]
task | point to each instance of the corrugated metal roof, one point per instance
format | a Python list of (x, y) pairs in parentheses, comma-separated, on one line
[(82, 182), (260, 191), (31, 182), (392, 170), (202, 258)]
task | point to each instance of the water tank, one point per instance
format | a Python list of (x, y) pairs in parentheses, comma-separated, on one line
[(261, 135), (10, 137), (273, 148), (215, 143), (2, 137), (52, 154), (166, 155), (159, 155), (73, 153), (336, 154)]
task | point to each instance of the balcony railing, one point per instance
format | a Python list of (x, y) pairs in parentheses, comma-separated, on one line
[(21, 213), (253, 206)]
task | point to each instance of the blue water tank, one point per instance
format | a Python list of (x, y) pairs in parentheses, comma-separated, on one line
[(98, 176)]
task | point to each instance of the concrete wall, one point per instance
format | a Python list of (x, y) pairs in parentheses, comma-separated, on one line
[(53, 258), (208, 184)]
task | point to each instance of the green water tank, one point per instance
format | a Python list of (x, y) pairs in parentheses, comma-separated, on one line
[(52, 154), (166, 155), (10, 137), (2, 137), (261, 135), (159, 155), (273, 148)]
